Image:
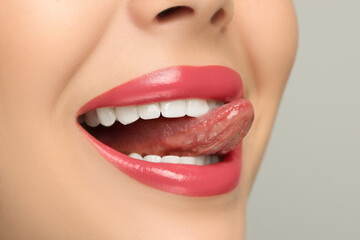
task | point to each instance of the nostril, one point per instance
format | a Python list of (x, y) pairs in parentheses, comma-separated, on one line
[(174, 12), (218, 16)]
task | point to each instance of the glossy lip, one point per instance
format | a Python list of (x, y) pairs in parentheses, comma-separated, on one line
[(179, 82)]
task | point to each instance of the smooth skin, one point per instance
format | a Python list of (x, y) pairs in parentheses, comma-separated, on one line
[(57, 55)]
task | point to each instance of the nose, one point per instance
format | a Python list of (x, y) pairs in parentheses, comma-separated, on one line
[(190, 14)]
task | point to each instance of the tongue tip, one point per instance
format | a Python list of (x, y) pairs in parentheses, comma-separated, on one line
[(217, 132)]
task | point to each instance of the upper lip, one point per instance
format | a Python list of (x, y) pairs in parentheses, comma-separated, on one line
[(179, 82)]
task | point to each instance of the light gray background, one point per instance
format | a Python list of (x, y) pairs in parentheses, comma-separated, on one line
[(309, 184)]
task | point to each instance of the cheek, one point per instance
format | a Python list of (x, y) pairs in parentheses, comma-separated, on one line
[(41, 42), (268, 30)]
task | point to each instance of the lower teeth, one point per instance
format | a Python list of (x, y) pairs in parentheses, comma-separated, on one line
[(198, 160)]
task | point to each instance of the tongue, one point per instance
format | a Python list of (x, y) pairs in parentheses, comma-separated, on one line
[(217, 132)]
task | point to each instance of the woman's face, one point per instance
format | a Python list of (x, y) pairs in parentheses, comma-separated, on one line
[(55, 56)]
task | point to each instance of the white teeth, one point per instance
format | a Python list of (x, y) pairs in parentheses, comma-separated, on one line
[(127, 115), (198, 160), (187, 160), (173, 109), (152, 158), (106, 116), (214, 104), (149, 111), (207, 160), (135, 155), (170, 159), (196, 107), (91, 119), (215, 159)]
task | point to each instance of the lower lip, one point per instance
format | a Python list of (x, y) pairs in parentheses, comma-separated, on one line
[(182, 179)]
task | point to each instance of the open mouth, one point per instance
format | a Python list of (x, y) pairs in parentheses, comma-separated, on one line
[(179, 141), (192, 131)]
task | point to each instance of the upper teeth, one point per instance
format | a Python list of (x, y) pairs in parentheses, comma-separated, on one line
[(169, 109)]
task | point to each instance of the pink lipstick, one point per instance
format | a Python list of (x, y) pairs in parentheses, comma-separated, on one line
[(218, 132)]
